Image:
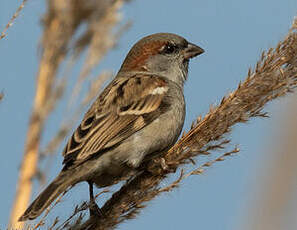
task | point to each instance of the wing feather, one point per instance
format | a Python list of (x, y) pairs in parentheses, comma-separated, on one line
[(121, 110)]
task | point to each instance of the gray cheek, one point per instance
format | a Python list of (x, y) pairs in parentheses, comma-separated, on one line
[(159, 63), (174, 69)]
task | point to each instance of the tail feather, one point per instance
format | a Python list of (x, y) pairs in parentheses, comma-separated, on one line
[(48, 195)]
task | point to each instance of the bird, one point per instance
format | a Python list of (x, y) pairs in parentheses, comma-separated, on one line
[(140, 113)]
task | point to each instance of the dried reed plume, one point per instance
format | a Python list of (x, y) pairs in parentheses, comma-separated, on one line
[(275, 75), (61, 23), (13, 18)]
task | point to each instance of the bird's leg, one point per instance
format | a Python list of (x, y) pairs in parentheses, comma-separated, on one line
[(93, 208)]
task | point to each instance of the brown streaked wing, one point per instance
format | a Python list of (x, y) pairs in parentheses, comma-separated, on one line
[(122, 109)]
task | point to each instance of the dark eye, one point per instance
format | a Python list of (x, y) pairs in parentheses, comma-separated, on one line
[(169, 48)]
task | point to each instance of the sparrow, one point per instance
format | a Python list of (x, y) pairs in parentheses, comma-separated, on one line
[(140, 113)]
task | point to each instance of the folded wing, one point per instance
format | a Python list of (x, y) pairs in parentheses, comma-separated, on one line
[(124, 107)]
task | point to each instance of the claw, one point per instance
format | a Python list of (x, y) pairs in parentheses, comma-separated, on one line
[(94, 210)]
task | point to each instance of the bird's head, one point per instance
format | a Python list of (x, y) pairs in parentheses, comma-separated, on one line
[(165, 54)]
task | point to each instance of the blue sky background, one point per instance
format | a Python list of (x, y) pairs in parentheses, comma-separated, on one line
[(233, 34)]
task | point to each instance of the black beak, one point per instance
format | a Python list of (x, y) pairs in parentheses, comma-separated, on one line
[(192, 50)]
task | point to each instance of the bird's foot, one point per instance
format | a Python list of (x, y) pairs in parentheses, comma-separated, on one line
[(164, 165), (94, 210)]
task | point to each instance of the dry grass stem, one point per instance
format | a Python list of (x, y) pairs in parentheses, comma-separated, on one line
[(13, 18), (275, 75), (61, 23), (54, 40)]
